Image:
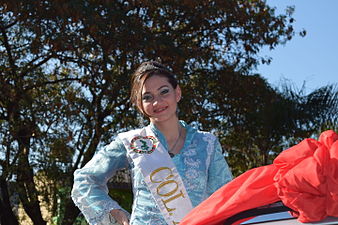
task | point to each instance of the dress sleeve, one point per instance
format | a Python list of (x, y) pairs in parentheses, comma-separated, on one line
[(90, 191), (219, 172)]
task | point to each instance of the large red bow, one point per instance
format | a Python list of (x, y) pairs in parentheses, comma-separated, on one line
[(304, 177)]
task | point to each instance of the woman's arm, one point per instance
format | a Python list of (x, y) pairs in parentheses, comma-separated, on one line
[(219, 172), (90, 192)]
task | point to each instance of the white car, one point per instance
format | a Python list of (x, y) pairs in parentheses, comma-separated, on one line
[(284, 218)]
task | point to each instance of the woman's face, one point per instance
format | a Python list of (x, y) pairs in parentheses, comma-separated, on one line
[(159, 99)]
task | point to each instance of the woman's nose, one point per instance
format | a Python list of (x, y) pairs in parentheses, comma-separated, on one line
[(157, 100)]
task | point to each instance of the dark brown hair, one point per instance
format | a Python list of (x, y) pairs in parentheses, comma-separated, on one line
[(141, 74)]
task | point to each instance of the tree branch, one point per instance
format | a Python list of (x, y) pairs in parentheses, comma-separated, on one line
[(51, 82), (34, 66), (10, 25), (8, 49)]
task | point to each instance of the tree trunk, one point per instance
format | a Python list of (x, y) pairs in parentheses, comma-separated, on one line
[(25, 180), (71, 212), (92, 147), (6, 214)]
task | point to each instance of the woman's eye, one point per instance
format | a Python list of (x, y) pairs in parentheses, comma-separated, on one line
[(164, 91), (147, 98)]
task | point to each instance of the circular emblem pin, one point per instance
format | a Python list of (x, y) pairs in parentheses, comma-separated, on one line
[(143, 144)]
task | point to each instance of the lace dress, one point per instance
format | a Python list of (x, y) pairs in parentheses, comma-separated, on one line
[(200, 164)]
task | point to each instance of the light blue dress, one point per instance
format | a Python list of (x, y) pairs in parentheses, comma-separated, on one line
[(200, 164)]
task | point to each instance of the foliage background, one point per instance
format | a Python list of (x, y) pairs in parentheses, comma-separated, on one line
[(65, 68)]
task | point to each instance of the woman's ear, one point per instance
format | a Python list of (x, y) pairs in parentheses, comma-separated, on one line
[(178, 93)]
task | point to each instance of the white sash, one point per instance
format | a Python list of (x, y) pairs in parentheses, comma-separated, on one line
[(160, 173)]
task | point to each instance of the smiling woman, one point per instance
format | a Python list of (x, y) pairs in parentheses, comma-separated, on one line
[(159, 98), (141, 84), (174, 167)]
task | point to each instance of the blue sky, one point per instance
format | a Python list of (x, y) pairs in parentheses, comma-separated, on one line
[(312, 59)]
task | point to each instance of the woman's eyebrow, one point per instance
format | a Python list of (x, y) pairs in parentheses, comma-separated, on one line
[(162, 87)]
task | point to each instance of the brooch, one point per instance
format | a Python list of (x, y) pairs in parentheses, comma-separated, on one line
[(143, 144)]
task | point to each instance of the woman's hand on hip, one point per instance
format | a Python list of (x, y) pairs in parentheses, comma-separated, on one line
[(120, 216)]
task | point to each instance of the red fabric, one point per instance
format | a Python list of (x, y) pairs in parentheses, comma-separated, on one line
[(304, 177), (307, 177)]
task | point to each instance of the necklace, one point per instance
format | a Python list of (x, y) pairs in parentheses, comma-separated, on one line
[(178, 138)]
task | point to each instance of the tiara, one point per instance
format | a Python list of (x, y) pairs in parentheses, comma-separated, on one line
[(150, 66)]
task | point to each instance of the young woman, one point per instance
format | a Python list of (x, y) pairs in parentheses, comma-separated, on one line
[(173, 166)]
